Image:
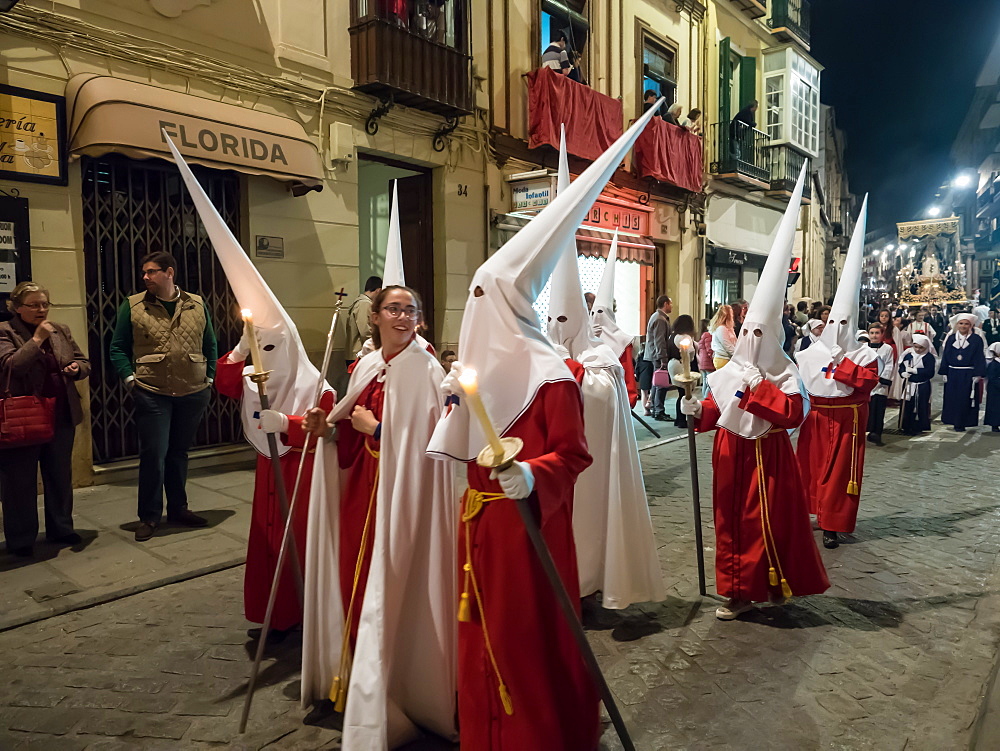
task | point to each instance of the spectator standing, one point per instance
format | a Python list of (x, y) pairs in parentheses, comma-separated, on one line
[(937, 319), (39, 357), (992, 415), (682, 327), (991, 327), (692, 122), (657, 335), (723, 336), (164, 350), (740, 136), (739, 308), (359, 316), (447, 358), (556, 57), (789, 329), (801, 316), (644, 375), (705, 363)]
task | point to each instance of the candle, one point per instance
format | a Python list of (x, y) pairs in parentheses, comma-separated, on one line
[(685, 345), (470, 385), (255, 359)]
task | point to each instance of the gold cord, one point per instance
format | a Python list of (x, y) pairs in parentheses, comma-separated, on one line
[(765, 524), (853, 486)]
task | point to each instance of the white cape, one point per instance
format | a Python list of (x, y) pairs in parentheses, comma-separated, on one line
[(814, 360), (405, 664), (615, 545)]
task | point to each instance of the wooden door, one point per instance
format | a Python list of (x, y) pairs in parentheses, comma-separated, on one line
[(416, 230)]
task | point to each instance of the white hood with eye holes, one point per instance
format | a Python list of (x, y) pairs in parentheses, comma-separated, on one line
[(500, 336), (816, 363), (762, 335), (291, 386), (603, 314)]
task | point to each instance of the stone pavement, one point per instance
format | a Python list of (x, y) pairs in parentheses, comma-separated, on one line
[(110, 564), (898, 654)]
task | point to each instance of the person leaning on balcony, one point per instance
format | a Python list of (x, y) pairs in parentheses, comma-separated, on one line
[(693, 121), (739, 134), (555, 55), (39, 357), (165, 352), (673, 115), (649, 98)]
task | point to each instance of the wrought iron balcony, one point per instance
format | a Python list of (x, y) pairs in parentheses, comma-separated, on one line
[(739, 154), (789, 21), (753, 8), (413, 53), (785, 165)]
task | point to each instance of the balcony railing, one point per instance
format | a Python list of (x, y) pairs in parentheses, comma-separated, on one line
[(785, 165), (753, 8), (789, 20), (413, 51), (739, 153)]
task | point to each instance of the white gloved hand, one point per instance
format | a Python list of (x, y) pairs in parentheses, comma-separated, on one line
[(752, 376), (598, 329), (691, 406), (837, 352), (910, 369), (944, 379), (450, 385), (905, 375), (517, 480), (241, 350), (272, 421)]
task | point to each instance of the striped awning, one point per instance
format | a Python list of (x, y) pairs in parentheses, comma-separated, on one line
[(593, 242)]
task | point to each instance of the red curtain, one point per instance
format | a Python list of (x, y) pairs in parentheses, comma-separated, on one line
[(593, 121), (669, 154)]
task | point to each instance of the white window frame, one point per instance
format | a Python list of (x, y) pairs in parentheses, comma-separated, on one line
[(792, 110)]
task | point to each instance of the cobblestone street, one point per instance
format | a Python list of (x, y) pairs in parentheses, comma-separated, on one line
[(898, 654)]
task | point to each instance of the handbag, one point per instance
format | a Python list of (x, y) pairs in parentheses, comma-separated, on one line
[(661, 379), (25, 420)]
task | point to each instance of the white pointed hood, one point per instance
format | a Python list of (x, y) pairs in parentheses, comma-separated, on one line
[(500, 336), (392, 272), (292, 384), (762, 334), (603, 314), (816, 363), (569, 321)]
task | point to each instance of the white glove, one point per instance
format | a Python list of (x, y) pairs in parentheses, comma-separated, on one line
[(910, 369), (517, 480), (944, 379), (272, 421), (450, 385), (837, 351), (691, 406), (241, 350), (598, 329), (367, 348), (905, 375), (752, 376)]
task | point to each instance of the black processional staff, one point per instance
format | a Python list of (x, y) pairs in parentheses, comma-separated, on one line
[(688, 380), (287, 538), (498, 455)]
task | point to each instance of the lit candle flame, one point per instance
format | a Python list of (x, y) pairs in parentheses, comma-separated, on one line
[(470, 381), (685, 342), (247, 314)]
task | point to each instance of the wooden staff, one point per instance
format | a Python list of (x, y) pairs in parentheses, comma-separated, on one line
[(689, 379)]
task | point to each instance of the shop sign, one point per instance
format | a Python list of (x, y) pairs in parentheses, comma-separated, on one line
[(609, 215), (7, 236), (533, 194), (8, 276), (270, 247), (32, 124), (213, 140)]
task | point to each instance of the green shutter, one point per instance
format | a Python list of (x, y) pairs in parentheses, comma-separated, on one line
[(725, 82), (748, 80)]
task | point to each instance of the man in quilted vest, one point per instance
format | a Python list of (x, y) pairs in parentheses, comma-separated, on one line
[(165, 352)]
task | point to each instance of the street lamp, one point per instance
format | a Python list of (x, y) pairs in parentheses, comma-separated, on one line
[(890, 246), (962, 180), (934, 211)]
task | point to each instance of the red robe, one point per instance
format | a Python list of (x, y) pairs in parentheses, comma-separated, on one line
[(831, 448), (266, 524), (554, 699), (630, 385), (742, 560)]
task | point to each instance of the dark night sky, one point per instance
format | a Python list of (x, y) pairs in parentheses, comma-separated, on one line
[(900, 75)]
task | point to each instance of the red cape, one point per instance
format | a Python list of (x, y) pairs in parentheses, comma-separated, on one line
[(554, 699), (742, 559), (831, 449)]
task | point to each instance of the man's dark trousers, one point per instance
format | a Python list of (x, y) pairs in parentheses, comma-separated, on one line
[(167, 426)]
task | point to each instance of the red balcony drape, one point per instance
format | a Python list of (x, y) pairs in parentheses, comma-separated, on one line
[(669, 154), (593, 121)]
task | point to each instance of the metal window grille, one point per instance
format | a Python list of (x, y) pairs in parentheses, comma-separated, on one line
[(131, 209)]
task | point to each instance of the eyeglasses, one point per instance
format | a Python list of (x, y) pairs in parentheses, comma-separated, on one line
[(37, 306), (396, 311), (150, 272)]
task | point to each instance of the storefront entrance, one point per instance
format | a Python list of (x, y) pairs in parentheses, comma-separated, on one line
[(730, 275), (131, 208)]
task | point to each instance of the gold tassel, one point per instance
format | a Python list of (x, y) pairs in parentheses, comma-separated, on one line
[(508, 705), (464, 611), (786, 591), (772, 577), (340, 703), (852, 488)]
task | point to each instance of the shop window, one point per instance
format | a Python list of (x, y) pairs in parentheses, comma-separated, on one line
[(791, 84), (566, 18), (659, 73)]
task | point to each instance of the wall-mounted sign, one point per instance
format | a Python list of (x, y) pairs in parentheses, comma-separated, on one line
[(270, 247), (32, 127), (608, 215), (8, 276), (531, 194), (7, 236)]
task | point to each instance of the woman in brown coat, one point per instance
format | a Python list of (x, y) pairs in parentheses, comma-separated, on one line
[(39, 357)]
